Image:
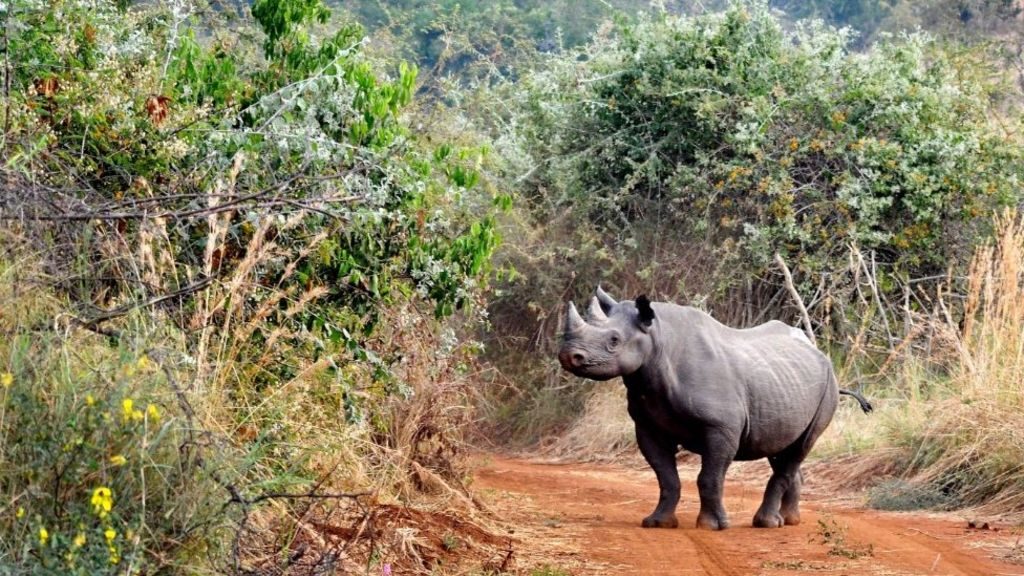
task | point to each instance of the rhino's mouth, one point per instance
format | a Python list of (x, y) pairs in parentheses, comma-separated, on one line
[(591, 371)]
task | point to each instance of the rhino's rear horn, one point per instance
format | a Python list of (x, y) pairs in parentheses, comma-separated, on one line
[(606, 301), (573, 320), (594, 312)]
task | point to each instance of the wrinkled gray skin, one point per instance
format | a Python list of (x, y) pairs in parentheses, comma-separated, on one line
[(726, 394)]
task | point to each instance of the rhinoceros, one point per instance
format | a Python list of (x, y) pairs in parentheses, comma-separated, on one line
[(724, 393)]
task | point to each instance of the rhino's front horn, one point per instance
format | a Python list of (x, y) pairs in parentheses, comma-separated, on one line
[(594, 311), (573, 321)]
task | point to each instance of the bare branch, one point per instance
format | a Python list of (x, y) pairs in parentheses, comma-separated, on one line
[(804, 316)]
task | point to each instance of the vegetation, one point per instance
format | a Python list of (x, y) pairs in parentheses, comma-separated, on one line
[(833, 534), (748, 141), (951, 434), (677, 156), (269, 261), (255, 288)]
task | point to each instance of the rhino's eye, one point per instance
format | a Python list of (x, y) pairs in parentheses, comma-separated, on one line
[(614, 340)]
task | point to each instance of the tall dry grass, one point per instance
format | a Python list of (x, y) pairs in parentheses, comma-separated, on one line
[(331, 426), (953, 436)]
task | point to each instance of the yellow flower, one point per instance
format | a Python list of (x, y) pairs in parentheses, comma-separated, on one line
[(128, 411), (89, 400), (144, 363), (110, 534), (20, 513), (79, 540), (6, 379), (44, 536), (118, 460), (153, 411), (102, 501)]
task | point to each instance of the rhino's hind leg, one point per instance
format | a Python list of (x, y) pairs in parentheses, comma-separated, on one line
[(781, 503), (790, 508), (782, 495)]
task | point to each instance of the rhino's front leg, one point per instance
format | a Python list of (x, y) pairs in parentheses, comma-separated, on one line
[(718, 455), (661, 455)]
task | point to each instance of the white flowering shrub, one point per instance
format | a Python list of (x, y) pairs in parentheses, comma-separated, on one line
[(722, 139)]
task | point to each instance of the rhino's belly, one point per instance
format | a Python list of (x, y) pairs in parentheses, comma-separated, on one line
[(664, 422), (678, 426)]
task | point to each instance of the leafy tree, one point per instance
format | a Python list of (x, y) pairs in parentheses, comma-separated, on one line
[(472, 39), (865, 16)]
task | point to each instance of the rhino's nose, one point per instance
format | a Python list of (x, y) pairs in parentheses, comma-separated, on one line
[(571, 359)]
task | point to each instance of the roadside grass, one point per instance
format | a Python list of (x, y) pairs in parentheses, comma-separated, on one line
[(146, 448), (952, 436), (100, 466), (603, 431)]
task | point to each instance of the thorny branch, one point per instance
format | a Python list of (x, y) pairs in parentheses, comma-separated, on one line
[(147, 303), (264, 198)]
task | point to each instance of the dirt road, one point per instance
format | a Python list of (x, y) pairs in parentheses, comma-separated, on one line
[(585, 518)]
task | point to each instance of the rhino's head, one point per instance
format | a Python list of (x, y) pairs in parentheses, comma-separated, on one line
[(614, 340)]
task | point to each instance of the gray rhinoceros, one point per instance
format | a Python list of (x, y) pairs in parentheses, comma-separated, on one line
[(723, 393)]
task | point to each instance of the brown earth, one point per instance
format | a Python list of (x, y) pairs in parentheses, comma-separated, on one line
[(585, 519)]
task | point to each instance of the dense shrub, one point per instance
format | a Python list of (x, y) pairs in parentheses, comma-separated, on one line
[(255, 196), (729, 133)]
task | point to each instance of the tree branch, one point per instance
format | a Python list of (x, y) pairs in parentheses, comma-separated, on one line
[(804, 316)]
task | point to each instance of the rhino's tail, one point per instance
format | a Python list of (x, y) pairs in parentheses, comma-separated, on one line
[(864, 404)]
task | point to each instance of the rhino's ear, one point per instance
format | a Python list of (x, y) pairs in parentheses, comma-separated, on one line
[(604, 299), (646, 313)]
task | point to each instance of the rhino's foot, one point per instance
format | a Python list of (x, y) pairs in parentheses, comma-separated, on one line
[(791, 518), (663, 521), (711, 521), (769, 520)]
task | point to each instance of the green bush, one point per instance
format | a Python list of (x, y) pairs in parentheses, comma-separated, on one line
[(697, 147), (260, 199), (329, 198)]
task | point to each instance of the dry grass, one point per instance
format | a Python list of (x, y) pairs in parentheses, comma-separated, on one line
[(604, 430), (333, 426), (333, 421), (960, 434)]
